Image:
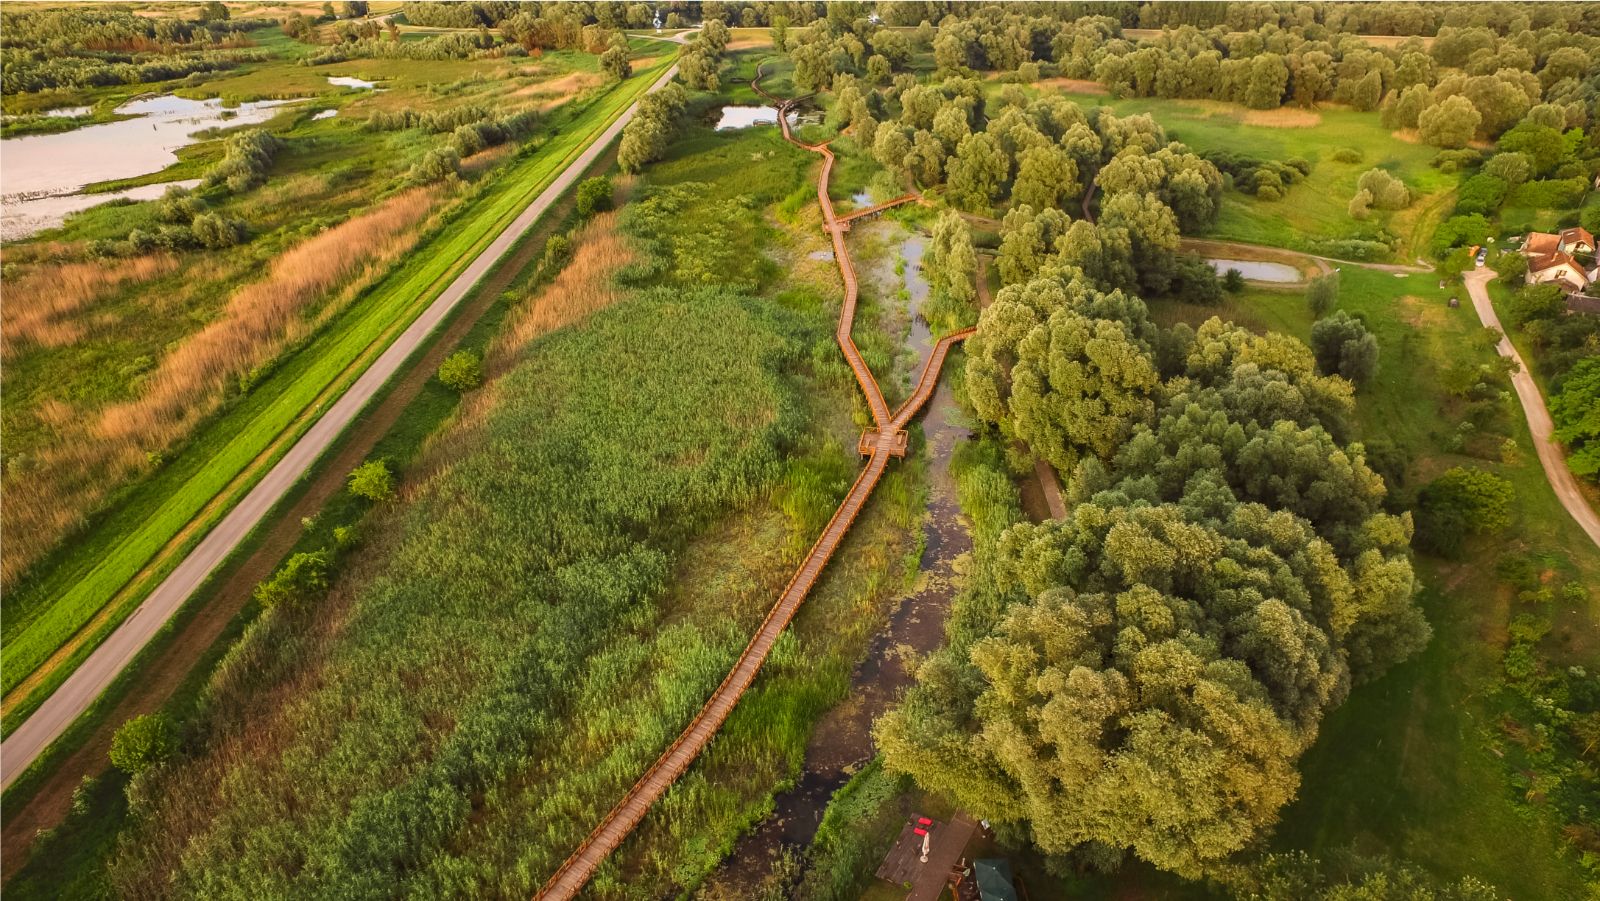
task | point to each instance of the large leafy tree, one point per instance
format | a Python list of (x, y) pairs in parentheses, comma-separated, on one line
[(1055, 368), (1149, 688), (1343, 346), (951, 265)]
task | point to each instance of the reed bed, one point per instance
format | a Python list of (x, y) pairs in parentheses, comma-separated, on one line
[(492, 633), (97, 450), (587, 284), (43, 306)]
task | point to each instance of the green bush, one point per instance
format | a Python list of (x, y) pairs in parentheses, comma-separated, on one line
[(142, 742), (1576, 411), (300, 576), (1464, 500), (594, 195), (461, 371), (1459, 231), (372, 480)]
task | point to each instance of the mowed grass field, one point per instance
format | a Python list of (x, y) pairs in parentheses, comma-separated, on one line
[(226, 458), (1316, 208), (1406, 766)]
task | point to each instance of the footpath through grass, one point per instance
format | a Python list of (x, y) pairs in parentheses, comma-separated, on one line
[(137, 541)]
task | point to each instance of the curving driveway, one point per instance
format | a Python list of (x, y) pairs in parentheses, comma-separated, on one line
[(1562, 482)]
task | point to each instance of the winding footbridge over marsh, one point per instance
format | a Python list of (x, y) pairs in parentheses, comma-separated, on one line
[(887, 439)]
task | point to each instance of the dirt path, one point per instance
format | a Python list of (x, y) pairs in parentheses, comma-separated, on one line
[(1200, 245), (160, 677), (1562, 482), (108, 660)]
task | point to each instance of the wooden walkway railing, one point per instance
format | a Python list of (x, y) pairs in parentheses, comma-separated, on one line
[(576, 871), (878, 208)]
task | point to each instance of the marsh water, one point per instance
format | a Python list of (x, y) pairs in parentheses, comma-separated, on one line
[(44, 174), (347, 81), (1257, 270), (746, 116), (841, 743)]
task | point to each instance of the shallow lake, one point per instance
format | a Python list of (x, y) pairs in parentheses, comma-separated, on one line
[(1257, 270), (746, 116), (44, 173)]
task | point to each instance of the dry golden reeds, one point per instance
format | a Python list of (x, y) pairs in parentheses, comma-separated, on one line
[(583, 287), (97, 452), (42, 305)]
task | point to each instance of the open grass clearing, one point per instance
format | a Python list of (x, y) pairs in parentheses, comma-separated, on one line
[(1315, 208)]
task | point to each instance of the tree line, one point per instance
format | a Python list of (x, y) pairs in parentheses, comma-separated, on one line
[(85, 47)]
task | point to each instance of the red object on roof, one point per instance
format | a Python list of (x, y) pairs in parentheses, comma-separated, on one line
[(920, 831), (924, 821)]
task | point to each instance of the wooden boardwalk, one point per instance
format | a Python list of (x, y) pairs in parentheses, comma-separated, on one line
[(878, 208), (878, 446)]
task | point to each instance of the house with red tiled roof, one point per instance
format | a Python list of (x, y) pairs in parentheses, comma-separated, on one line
[(1551, 259)]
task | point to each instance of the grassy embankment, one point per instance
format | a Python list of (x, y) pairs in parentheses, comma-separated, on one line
[(227, 457), (70, 858)]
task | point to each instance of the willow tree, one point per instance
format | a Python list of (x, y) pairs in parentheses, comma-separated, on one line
[(951, 264), (1054, 369)]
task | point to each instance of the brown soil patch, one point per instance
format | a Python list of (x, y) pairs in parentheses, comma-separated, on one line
[(1074, 85), (161, 676), (745, 43), (1423, 313), (1283, 117), (1408, 135)]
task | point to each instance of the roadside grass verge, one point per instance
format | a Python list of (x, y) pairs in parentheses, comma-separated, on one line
[(73, 853), (228, 457)]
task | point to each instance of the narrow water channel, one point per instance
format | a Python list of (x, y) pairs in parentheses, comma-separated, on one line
[(841, 743)]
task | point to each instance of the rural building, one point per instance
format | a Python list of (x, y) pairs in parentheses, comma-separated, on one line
[(1552, 260)]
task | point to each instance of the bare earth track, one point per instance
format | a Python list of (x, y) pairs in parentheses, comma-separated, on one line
[(1540, 426), (879, 445)]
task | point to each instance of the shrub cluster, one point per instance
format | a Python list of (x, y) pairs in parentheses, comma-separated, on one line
[(1267, 179), (246, 157)]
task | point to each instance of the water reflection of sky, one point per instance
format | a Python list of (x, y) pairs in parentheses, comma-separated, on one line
[(1257, 270), (746, 116), (40, 175)]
